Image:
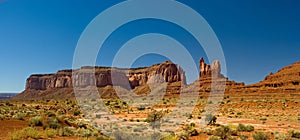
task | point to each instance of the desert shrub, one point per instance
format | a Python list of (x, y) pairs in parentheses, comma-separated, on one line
[(17, 135), (32, 133), (169, 137), (260, 136), (8, 104), (294, 134), (98, 116), (249, 128), (19, 116), (81, 132), (208, 131), (244, 137), (245, 128), (190, 129), (153, 119), (1, 117), (141, 108), (51, 114), (50, 133), (61, 118), (26, 133), (263, 120), (36, 121), (210, 119), (53, 123), (224, 132), (183, 136), (214, 138), (67, 131), (189, 115), (76, 113), (37, 107), (281, 136)]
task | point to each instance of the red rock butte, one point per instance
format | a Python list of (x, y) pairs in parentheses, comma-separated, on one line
[(60, 85)]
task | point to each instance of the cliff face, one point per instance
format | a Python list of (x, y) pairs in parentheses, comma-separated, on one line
[(59, 85), (104, 76)]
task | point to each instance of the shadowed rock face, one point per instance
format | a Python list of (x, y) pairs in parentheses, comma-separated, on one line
[(104, 76)]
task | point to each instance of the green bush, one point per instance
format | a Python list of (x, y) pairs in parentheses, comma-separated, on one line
[(17, 135), (244, 128), (36, 121), (169, 137), (51, 114), (260, 136), (19, 116), (81, 132), (53, 123), (68, 131), (50, 133), (294, 134), (2, 117), (28, 132), (224, 132), (154, 119), (244, 137), (32, 133), (214, 138), (281, 136), (141, 108)]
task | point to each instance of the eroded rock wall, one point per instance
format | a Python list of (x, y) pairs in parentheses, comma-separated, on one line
[(104, 76)]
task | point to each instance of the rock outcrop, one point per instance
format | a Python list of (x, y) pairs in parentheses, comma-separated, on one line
[(207, 70), (142, 80), (104, 76), (212, 73), (285, 80)]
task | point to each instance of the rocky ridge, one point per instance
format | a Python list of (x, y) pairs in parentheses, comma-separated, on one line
[(104, 76), (60, 83), (138, 80)]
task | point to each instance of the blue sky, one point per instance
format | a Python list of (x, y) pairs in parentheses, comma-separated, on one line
[(257, 36)]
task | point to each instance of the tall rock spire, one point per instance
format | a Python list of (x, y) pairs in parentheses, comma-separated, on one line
[(209, 71)]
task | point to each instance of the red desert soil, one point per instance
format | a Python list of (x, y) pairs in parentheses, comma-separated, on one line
[(8, 126)]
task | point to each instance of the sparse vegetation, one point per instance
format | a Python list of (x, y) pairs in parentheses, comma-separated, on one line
[(294, 134), (54, 118), (245, 128), (224, 132), (28, 132), (260, 136), (36, 121)]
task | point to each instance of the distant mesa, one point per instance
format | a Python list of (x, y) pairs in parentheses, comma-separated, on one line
[(104, 76), (6, 96), (60, 84)]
